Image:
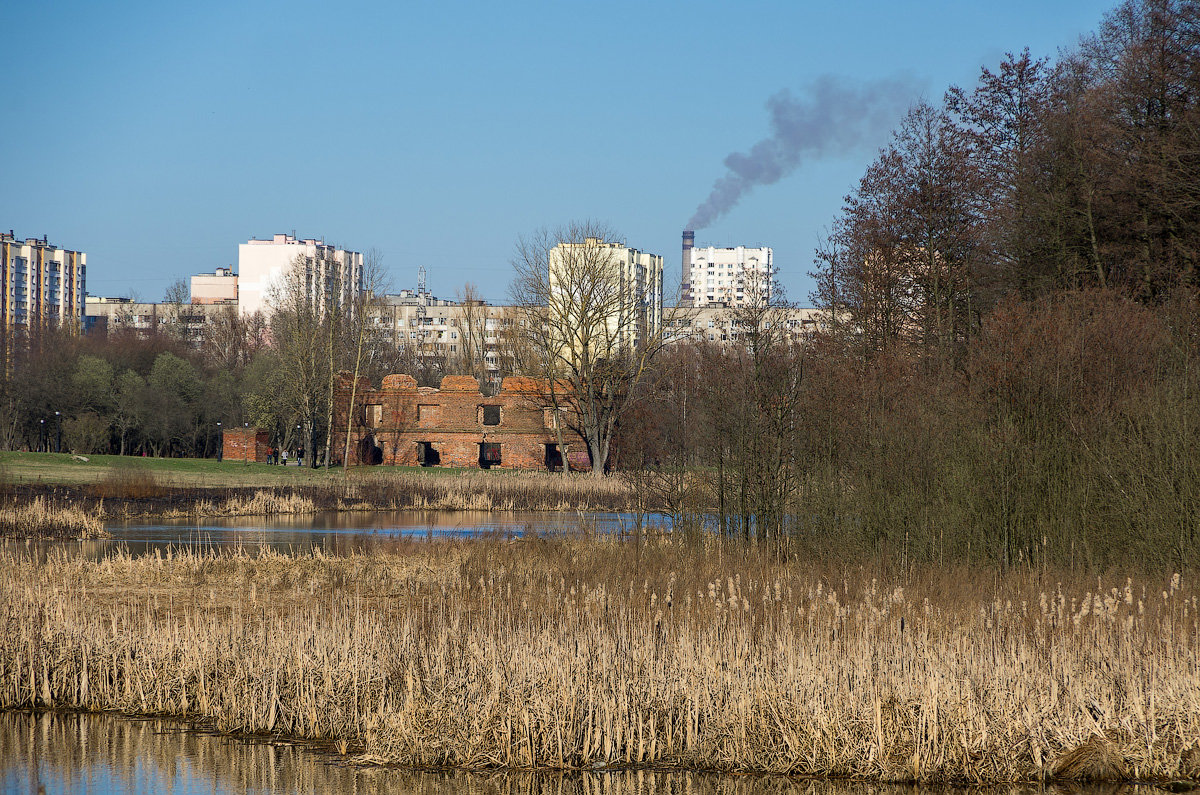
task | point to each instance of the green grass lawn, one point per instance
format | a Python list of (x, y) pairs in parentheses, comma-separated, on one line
[(64, 468)]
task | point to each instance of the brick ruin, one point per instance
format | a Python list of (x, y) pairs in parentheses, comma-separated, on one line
[(246, 444), (399, 423)]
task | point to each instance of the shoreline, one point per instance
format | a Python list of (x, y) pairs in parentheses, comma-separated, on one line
[(573, 654), (67, 511), (329, 748)]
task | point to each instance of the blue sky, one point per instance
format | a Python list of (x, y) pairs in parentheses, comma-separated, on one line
[(157, 136)]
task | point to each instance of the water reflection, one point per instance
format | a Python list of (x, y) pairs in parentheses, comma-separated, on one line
[(102, 754), (343, 532)]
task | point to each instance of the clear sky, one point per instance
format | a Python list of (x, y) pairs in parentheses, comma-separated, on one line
[(157, 136)]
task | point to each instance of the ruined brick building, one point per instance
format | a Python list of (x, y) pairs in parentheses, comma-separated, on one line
[(457, 425)]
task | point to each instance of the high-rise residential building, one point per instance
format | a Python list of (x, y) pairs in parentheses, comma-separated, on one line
[(728, 276), (635, 304), (40, 284), (332, 276)]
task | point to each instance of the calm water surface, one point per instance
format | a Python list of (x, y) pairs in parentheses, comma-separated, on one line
[(342, 532), (103, 754)]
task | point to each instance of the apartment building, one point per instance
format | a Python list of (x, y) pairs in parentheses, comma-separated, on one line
[(447, 329), (331, 276), (183, 321), (40, 283), (218, 287), (721, 326), (727, 276), (635, 313)]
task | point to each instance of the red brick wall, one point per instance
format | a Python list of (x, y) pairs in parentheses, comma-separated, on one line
[(451, 420), (246, 444)]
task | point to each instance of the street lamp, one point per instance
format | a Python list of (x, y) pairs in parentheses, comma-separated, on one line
[(42, 436), (299, 441), (220, 443), (58, 442), (246, 443)]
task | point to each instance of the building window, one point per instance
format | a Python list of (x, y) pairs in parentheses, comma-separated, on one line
[(373, 415), (489, 455), (489, 415)]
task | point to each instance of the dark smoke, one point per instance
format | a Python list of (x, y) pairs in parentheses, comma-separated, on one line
[(833, 116)]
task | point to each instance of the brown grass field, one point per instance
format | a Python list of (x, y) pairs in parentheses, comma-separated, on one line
[(587, 653)]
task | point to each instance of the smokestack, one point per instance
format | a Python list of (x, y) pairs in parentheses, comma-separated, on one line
[(689, 240)]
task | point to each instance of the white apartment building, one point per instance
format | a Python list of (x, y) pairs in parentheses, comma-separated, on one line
[(333, 276), (729, 276), (637, 314)]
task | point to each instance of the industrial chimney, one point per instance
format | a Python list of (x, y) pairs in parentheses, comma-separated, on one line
[(689, 240)]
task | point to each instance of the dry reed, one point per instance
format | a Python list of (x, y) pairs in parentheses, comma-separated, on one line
[(584, 653), (38, 518), (128, 494), (261, 503)]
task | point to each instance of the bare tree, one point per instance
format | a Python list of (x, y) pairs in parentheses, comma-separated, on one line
[(473, 316), (300, 340), (175, 299), (590, 326), (365, 311)]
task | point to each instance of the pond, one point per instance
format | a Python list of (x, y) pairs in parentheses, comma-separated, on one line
[(105, 754), (344, 532)]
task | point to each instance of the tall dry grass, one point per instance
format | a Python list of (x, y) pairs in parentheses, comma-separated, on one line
[(130, 493), (581, 653), (39, 518), (484, 491)]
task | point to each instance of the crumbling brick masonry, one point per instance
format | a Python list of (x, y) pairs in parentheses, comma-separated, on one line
[(456, 425)]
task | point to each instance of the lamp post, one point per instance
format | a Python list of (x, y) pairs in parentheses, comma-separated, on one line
[(42, 436), (246, 442), (299, 441), (220, 444), (58, 440)]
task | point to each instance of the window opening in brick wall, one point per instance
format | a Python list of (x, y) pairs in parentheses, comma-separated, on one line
[(427, 455), (491, 415), (372, 415), (489, 455), (554, 459)]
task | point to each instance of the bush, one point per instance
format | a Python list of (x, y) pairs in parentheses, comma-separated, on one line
[(86, 434)]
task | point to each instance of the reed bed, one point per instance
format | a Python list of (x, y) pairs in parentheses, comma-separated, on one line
[(585, 653), (491, 491), (39, 518), (261, 503), (140, 493)]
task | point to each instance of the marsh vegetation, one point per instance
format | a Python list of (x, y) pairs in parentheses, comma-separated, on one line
[(582, 653)]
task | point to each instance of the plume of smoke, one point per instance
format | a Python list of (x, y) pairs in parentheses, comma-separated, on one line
[(832, 116)]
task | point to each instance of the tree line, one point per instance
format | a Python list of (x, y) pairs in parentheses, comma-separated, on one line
[(155, 391), (1009, 369)]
